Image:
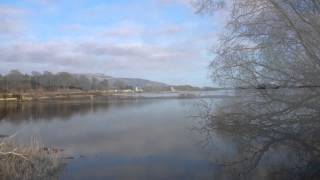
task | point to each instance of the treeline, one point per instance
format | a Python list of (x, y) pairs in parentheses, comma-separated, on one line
[(17, 81)]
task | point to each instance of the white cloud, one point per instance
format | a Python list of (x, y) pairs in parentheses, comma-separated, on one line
[(61, 52)]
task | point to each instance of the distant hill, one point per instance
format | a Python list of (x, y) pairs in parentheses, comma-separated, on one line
[(145, 84), (139, 82), (134, 82), (99, 77)]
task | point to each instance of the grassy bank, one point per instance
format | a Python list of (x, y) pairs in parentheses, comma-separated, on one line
[(44, 96), (88, 96)]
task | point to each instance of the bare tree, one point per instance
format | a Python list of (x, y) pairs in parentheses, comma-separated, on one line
[(268, 41)]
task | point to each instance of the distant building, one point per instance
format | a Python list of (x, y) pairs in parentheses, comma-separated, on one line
[(172, 89), (127, 91), (138, 90)]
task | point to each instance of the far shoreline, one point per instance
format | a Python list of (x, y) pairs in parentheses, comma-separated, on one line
[(92, 96)]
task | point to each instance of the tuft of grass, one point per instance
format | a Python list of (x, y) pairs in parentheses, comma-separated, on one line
[(28, 162)]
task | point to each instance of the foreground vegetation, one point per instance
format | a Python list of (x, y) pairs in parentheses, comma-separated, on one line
[(27, 162)]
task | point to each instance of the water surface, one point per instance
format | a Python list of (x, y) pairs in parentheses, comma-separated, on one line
[(123, 139), (253, 134)]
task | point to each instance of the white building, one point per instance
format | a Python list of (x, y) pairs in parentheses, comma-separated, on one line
[(172, 89), (138, 90)]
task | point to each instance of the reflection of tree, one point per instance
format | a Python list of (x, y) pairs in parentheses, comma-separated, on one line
[(270, 123), (46, 111)]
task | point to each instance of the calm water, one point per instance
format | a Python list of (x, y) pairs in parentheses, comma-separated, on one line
[(128, 139), (256, 134)]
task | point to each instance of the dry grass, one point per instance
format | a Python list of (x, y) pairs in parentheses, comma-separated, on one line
[(27, 162)]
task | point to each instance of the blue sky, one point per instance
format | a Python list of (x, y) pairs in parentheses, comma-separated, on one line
[(162, 40)]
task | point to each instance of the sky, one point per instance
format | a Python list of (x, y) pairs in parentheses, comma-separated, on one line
[(160, 40)]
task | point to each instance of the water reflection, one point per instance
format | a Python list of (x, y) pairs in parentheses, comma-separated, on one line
[(265, 134), (46, 111), (270, 134), (17, 112)]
